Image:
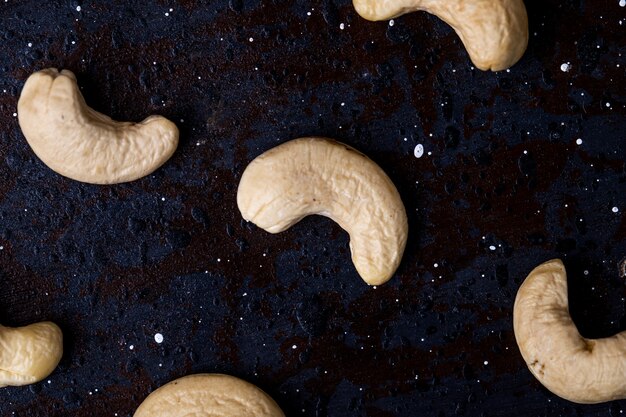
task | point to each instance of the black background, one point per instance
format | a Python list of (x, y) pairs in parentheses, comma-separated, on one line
[(114, 265)]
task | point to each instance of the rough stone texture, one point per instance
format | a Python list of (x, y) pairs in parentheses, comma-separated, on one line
[(170, 254)]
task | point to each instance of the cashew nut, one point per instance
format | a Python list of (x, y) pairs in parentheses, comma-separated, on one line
[(29, 354), (581, 370), (320, 176), (494, 32), (208, 395), (80, 143)]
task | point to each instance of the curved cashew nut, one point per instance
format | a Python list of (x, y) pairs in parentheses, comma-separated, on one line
[(494, 32), (208, 395), (320, 176), (585, 371), (29, 354), (80, 143)]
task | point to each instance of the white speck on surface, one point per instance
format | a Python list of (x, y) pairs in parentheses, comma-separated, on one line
[(486, 363), (585, 272), (579, 141), (614, 210), (14, 114), (492, 247), (30, 44), (622, 3), (131, 347), (419, 150), (436, 265), (391, 22), (294, 347), (158, 338), (251, 39), (78, 8), (162, 198), (566, 66), (342, 26)]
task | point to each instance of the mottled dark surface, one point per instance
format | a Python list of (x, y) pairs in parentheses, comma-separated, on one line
[(170, 254)]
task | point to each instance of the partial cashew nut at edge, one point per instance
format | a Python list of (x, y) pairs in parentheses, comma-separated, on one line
[(494, 32), (82, 144), (321, 176), (581, 370), (29, 354), (208, 395)]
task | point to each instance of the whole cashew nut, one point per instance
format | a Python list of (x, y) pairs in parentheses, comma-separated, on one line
[(320, 176), (494, 32), (581, 370), (29, 354), (80, 143), (208, 395)]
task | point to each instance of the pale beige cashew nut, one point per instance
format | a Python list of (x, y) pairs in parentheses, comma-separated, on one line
[(209, 395), (321, 176), (581, 370), (82, 144), (494, 32), (29, 354)]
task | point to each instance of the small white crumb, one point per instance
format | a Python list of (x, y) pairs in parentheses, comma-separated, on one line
[(391, 22), (251, 39), (158, 338), (131, 347), (78, 8), (492, 247), (419, 150), (566, 66), (294, 347), (579, 141), (486, 363), (342, 26), (622, 3), (614, 209)]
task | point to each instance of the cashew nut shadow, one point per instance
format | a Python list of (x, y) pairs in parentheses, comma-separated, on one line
[(494, 32), (79, 143), (585, 371), (321, 176)]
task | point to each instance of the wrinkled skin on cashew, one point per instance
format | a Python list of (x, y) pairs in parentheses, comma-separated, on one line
[(29, 354), (494, 32), (80, 143), (581, 370), (208, 395), (320, 176)]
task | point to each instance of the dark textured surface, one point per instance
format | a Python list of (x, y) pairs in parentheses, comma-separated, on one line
[(170, 254)]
